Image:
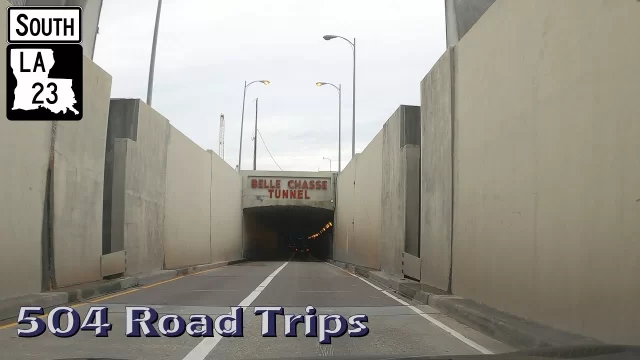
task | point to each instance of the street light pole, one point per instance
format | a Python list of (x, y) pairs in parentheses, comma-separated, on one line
[(339, 128), (339, 88), (255, 138), (152, 62), (353, 124), (324, 158), (244, 97)]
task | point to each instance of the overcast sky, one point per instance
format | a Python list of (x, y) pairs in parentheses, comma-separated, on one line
[(208, 48)]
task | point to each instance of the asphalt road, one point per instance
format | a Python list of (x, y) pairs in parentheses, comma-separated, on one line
[(396, 326)]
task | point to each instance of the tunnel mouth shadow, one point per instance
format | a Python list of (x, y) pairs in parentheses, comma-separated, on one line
[(273, 233)]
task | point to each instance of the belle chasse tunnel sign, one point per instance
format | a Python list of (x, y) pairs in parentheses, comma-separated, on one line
[(288, 188), (265, 189)]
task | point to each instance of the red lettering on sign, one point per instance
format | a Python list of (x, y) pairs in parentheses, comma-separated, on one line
[(312, 184), (306, 196), (278, 193), (324, 185), (270, 193), (285, 194), (290, 184), (305, 185), (298, 183), (299, 194), (292, 194), (277, 184), (254, 183), (318, 184)]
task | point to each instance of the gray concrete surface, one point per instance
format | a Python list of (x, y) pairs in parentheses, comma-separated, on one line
[(436, 173), (514, 332), (225, 211), (400, 215), (138, 187), (343, 217), (24, 158), (377, 211), (547, 139), (358, 226), (461, 16), (9, 308), (77, 184), (394, 328), (187, 203)]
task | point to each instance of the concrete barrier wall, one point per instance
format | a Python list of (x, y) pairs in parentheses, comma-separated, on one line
[(57, 243), (367, 206), (547, 137), (77, 183), (343, 216), (400, 133), (187, 215), (375, 215), (24, 158), (226, 210), (436, 176), (140, 138)]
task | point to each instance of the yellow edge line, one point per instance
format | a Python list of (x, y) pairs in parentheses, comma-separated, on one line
[(162, 282), (112, 296), (120, 293), (39, 316)]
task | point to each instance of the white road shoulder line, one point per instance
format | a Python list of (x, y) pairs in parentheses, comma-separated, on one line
[(358, 277), (207, 344), (435, 322)]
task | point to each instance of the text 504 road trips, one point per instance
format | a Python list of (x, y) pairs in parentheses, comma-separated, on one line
[(145, 321)]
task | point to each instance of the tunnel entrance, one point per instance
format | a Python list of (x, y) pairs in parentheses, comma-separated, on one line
[(280, 232)]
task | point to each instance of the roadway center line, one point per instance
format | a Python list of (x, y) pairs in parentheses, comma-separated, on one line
[(435, 322), (205, 346)]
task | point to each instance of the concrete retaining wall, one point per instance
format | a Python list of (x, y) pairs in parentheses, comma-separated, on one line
[(343, 216), (77, 183), (547, 172), (436, 176), (58, 243), (187, 215), (401, 144), (24, 158), (375, 216), (226, 211), (364, 247), (138, 187)]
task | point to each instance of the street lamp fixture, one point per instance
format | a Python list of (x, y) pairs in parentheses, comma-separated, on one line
[(353, 125), (326, 158), (339, 88), (244, 97)]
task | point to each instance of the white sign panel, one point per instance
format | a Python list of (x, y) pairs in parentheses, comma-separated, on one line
[(44, 24)]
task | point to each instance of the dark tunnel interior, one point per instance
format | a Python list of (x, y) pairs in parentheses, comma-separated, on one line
[(288, 232)]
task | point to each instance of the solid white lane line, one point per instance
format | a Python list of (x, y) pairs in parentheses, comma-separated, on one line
[(442, 326), (357, 277), (207, 344), (435, 322)]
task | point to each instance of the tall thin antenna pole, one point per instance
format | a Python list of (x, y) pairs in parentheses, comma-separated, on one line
[(221, 137)]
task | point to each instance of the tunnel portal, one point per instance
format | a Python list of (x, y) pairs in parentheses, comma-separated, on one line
[(286, 210), (279, 232)]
